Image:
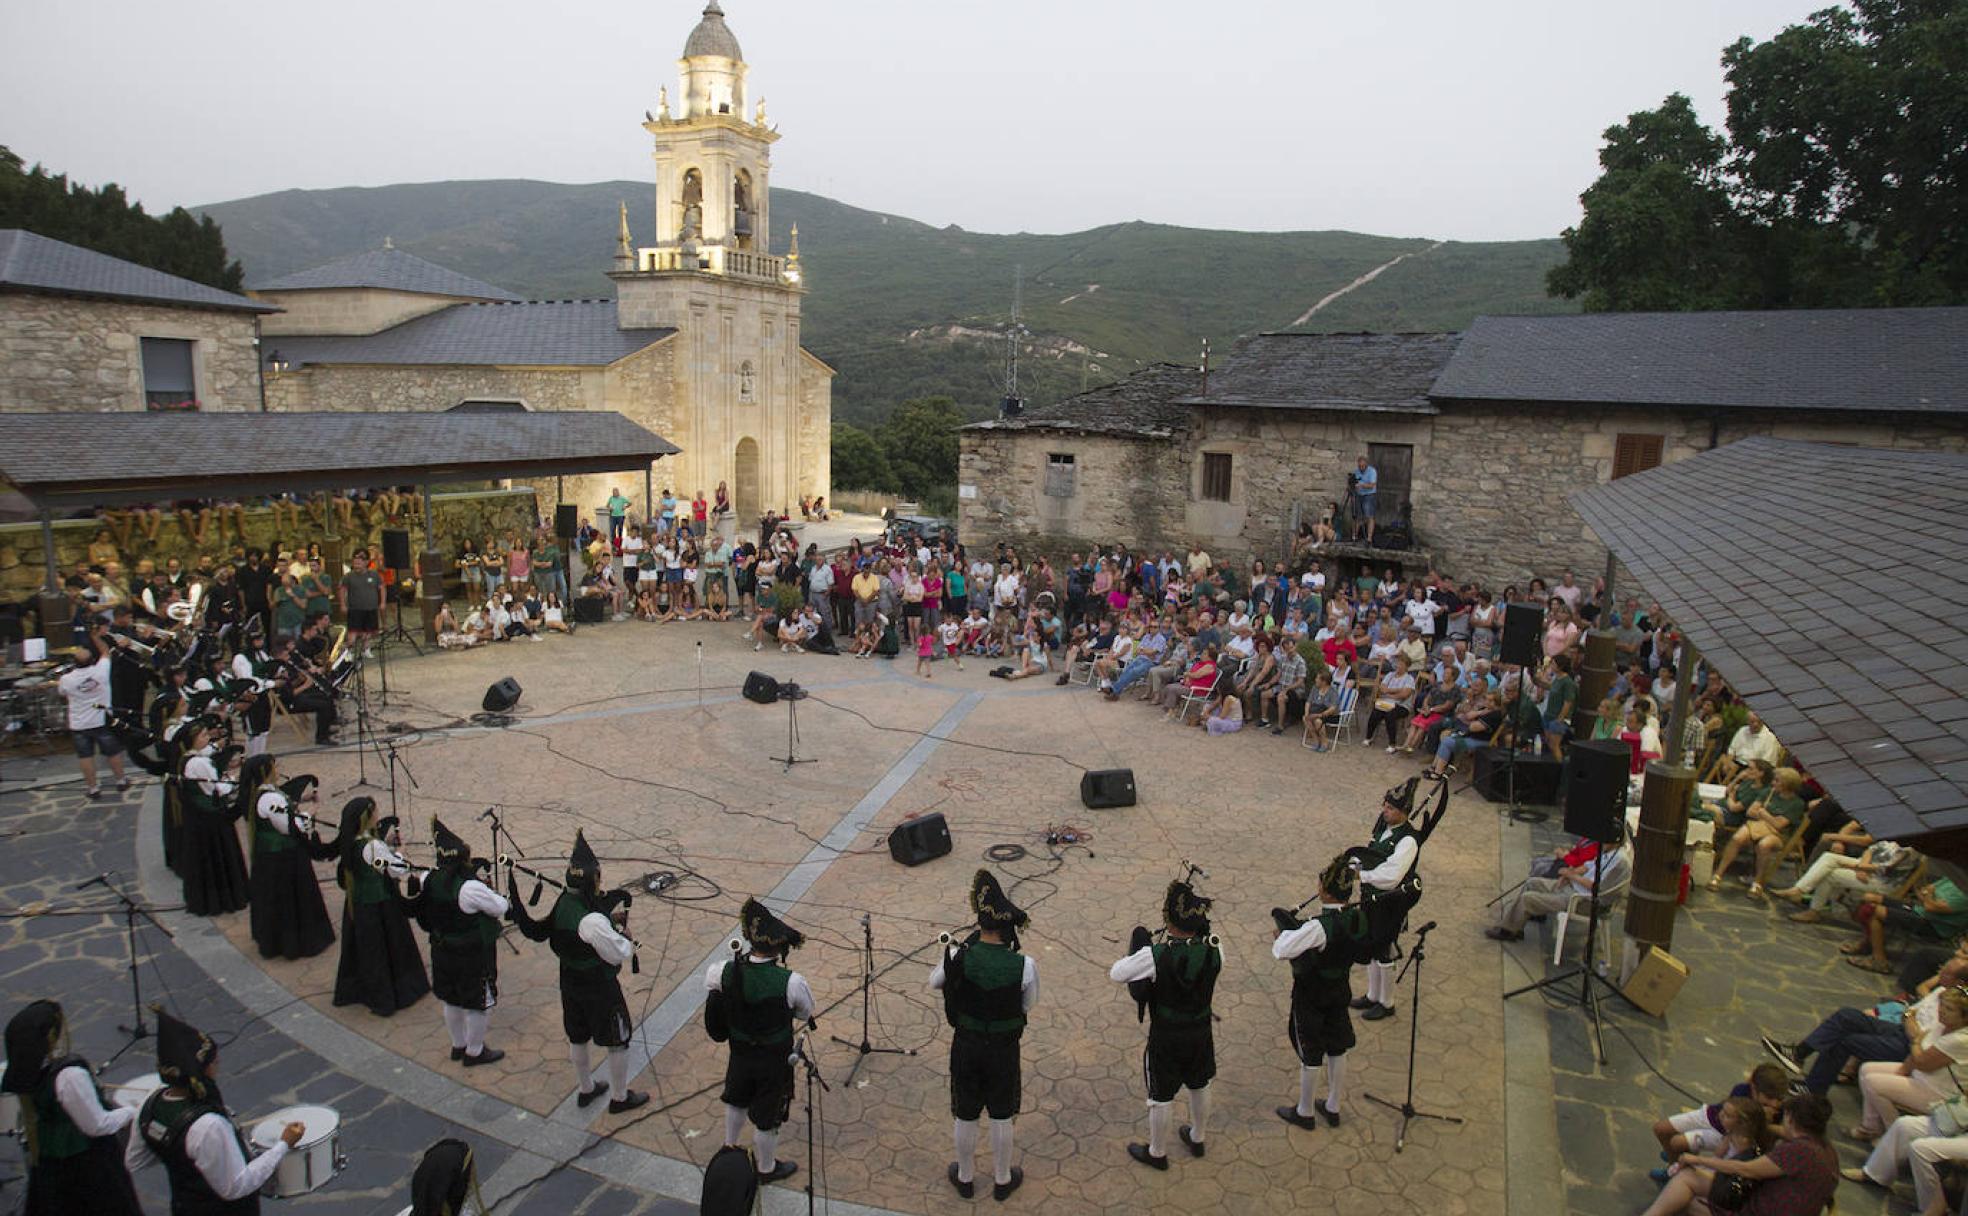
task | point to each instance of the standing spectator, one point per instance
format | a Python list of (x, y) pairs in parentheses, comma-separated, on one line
[(700, 515), (519, 560), (548, 574), (618, 513), (1560, 699), (316, 587), (820, 587), (1366, 489), (666, 519), (289, 607), (86, 690), (362, 603)]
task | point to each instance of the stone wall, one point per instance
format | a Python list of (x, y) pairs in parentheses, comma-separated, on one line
[(346, 310), (60, 353), (1130, 491), (479, 514), (368, 387)]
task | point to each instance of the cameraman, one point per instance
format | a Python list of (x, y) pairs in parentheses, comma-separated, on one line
[(1366, 487)]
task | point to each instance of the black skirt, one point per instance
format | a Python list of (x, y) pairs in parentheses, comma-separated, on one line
[(211, 863), (289, 918), (380, 966), (172, 821), (93, 1181)]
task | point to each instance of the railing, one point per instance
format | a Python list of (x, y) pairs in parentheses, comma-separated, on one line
[(714, 259)]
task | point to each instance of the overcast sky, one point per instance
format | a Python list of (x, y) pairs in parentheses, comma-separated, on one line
[(1427, 118)]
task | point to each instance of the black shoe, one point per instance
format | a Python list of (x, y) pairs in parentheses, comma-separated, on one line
[(1290, 1115), (1377, 1013), (966, 1189), (630, 1101), (1328, 1114), (457, 1053), (1001, 1191), (1497, 933), (1784, 1055), (780, 1169), (486, 1055), (588, 1097), (1140, 1153), (1195, 1146), (1360, 1003)]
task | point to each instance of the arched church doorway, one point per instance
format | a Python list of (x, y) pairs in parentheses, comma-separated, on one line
[(745, 489)]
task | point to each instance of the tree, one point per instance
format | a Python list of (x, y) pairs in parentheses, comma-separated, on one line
[(920, 442), (1843, 181), (858, 460)]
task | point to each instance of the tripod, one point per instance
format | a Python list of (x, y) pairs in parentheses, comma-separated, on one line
[(701, 712), (365, 735), (1587, 971), (864, 1047), (1416, 954), (792, 695), (813, 1078), (396, 632), (1519, 813), (138, 1031)]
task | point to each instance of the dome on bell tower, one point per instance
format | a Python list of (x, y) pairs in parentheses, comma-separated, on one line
[(712, 36)]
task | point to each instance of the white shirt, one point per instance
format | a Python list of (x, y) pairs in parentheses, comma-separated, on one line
[(1243, 646), (1137, 966), (1122, 650), (475, 896), (948, 631), (87, 690), (274, 807), (1006, 593), (981, 573), (799, 997), (200, 769), (822, 578), (632, 547), (379, 855), (75, 1089), (1388, 874), (1309, 936), (1757, 745), (213, 1146), (242, 669), (1422, 613), (1028, 985), (598, 931)]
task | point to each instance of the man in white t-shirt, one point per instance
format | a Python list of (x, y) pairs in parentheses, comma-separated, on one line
[(633, 548), (86, 689)]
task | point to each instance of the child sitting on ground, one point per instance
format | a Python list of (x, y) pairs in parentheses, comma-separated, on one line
[(1701, 1130), (866, 635), (975, 630)]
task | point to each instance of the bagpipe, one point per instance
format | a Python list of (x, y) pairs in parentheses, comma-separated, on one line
[(717, 1010), (1143, 937), (613, 903), (1385, 912), (953, 955)]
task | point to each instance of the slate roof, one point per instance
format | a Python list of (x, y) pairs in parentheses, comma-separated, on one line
[(1826, 583), (92, 459), (570, 333), (712, 36), (32, 262), (1912, 359), (1141, 405), (1375, 373), (392, 269)]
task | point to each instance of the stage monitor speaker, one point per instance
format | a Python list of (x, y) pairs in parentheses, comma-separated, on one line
[(921, 839), (1107, 787), (396, 548), (589, 610), (761, 688), (502, 696), (1523, 635), (567, 521), (1594, 787)]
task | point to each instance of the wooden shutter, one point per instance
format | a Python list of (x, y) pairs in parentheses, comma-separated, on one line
[(1635, 453), (1216, 476)]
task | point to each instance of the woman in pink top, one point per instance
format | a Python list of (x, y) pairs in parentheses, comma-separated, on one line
[(932, 599), (1560, 630), (519, 560)]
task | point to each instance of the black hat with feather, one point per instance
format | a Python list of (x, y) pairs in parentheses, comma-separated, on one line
[(450, 847), (1402, 796), (444, 1179), (993, 907), (183, 1052), (765, 931), (583, 867), (1183, 909), (1336, 880)]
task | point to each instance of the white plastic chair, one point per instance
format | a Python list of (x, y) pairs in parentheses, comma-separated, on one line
[(1349, 698), (1610, 898)]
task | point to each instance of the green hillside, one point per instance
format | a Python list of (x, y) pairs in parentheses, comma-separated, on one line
[(902, 309)]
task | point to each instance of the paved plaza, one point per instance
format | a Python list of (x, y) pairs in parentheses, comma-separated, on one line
[(611, 736)]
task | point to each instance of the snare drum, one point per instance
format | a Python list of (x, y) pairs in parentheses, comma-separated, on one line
[(134, 1092), (312, 1162)]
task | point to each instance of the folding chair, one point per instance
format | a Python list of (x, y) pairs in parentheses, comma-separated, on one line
[(282, 714), (1581, 905), (1348, 700)]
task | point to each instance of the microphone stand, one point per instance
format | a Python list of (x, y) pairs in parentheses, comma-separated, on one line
[(813, 1078), (1416, 953), (865, 1048), (139, 1031)]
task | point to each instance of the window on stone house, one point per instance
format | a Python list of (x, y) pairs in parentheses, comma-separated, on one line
[(1635, 454), (168, 379), (1216, 476), (1062, 475)]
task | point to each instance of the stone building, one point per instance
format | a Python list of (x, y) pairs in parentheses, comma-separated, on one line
[(700, 344), (1478, 438), (84, 331)]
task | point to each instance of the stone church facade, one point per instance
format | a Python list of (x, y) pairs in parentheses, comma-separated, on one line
[(700, 344)]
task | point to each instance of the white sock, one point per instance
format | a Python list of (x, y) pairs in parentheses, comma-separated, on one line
[(1377, 983), (734, 1122), (1001, 1151), (1199, 1104), (1307, 1082), (765, 1147), (618, 1073), (474, 1020), (966, 1149), (1158, 1129), (454, 1023), (1335, 1082), (583, 1071)]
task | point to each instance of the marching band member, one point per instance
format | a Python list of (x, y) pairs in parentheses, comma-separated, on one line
[(445, 1178), (1321, 952), (252, 683), (187, 1127), (303, 691), (74, 1163), (210, 862), (464, 919), (988, 989), (1385, 863), (380, 966), (584, 931), (1178, 978), (288, 916), (758, 999)]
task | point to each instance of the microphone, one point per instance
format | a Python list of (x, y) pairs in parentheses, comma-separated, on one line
[(490, 812), (100, 878), (1197, 870)]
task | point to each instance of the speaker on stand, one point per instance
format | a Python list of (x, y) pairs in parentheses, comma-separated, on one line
[(1593, 788), (1521, 646)]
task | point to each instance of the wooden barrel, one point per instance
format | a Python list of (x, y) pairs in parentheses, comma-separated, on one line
[(1658, 848)]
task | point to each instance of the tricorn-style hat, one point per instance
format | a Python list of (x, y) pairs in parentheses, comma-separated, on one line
[(443, 1180), (448, 845), (183, 1051), (993, 907), (1336, 879), (1402, 796), (1186, 910), (583, 867), (765, 931)]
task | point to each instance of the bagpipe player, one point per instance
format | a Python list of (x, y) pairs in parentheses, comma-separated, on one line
[(753, 1004), (989, 989), (464, 916), (1387, 877), (1174, 980), (1322, 952)]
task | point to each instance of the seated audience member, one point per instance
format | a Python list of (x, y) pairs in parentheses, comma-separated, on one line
[(1226, 714), (1851, 1037), (1540, 896), (1798, 1175), (553, 615), (1259, 673), (450, 634), (1770, 823), (1029, 649), (1752, 741), (1197, 680), (1923, 1144), (1393, 702), (1746, 789), (1924, 1076), (1879, 869), (1700, 1130), (1287, 688), (1939, 909), (1438, 701), (1477, 721), (1322, 711)]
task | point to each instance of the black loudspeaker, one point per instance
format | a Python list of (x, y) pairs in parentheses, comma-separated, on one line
[(917, 840), (761, 688), (1523, 635), (502, 696), (1107, 787), (396, 549), (1594, 787), (567, 521), (589, 610)]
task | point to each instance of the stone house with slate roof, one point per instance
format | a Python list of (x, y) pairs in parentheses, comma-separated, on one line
[(700, 344), (1482, 435), (82, 331)]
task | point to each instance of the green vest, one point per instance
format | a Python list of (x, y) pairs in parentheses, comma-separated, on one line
[(266, 837), (446, 922), (1385, 839), (366, 884), (51, 1134), (989, 997), (1329, 962), (1185, 980), (755, 995), (574, 954)]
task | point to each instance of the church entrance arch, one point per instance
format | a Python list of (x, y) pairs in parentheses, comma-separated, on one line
[(745, 488)]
